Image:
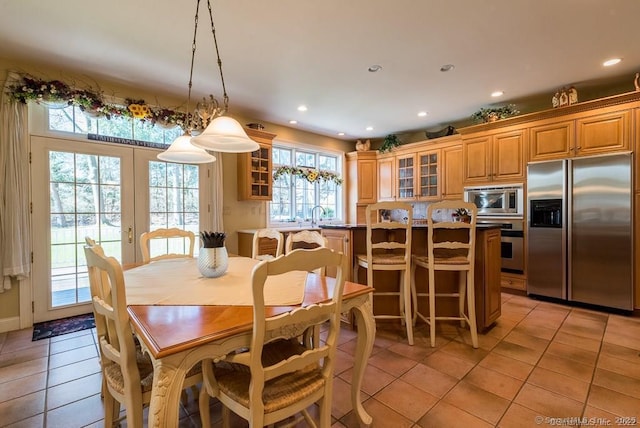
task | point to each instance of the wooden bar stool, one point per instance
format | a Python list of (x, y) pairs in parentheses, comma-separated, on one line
[(389, 249), (267, 244), (454, 251)]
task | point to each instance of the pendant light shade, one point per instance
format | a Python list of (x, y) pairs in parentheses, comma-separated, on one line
[(225, 134), (182, 151)]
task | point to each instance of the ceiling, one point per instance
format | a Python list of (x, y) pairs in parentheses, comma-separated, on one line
[(279, 54)]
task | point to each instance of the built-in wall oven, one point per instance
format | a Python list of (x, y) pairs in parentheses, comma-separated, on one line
[(503, 205)]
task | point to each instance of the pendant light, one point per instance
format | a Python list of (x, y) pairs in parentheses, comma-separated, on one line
[(223, 133)]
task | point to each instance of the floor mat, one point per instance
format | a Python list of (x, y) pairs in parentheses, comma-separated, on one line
[(47, 329)]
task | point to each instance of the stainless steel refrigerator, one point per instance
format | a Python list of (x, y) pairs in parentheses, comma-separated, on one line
[(580, 230)]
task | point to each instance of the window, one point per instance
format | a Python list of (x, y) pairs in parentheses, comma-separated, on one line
[(72, 119), (294, 197)]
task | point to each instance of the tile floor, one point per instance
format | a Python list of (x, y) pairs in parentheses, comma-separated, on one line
[(540, 361)]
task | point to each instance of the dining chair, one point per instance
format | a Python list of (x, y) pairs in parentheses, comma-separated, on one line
[(127, 372), (454, 251), (305, 239), (389, 249), (280, 375), (267, 244), (166, 244)]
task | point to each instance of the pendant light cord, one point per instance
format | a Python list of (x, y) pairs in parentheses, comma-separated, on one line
[(193, 57), (225, 97)]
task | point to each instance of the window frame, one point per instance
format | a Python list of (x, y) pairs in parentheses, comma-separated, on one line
[(340, 211)]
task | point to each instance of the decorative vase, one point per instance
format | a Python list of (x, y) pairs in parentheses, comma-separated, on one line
[(492, 117), (213, 262)]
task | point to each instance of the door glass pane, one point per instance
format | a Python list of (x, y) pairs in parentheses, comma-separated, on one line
[(81, 205), (173, 202)]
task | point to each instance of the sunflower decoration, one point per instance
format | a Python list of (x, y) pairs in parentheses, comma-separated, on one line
[(138, 109), (312, 176), (309, 174)]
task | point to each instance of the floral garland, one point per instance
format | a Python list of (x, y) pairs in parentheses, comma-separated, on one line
[(91, 102), (309, 174)]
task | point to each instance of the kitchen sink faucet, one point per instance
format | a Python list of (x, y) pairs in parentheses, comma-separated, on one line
[(313, 210)]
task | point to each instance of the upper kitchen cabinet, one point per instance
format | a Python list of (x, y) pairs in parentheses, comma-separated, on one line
[(255, 169), (495, 157), (417, 175), (552, 141), (452, 172), (603, 133), (386, 177), (362, 184), (584, 134)]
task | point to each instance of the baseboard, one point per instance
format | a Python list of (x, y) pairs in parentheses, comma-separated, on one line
[(9, 324)]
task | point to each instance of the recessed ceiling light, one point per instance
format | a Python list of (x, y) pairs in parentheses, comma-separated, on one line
[(341, 133), (302, 108), (612, 61), (497, 93), (374, 68), (447, 67), (293, 122), (369, 128), (422, 114)]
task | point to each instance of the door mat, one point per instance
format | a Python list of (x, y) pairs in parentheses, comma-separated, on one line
[(47, 329)]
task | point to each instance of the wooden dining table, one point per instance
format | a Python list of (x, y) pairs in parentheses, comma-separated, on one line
[(179, 336)]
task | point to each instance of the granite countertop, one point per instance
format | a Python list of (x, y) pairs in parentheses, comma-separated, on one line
[(483, 226), (283, 229)]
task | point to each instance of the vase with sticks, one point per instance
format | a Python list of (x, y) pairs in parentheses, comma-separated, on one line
[(213, 258)]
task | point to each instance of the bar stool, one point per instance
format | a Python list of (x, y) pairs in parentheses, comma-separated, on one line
[(453, 252), (262, 250), (389, 249)]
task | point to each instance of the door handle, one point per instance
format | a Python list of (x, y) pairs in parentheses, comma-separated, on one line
[(130, 235)]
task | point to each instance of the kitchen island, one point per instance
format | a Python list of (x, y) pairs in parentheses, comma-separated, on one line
[(351, 240)]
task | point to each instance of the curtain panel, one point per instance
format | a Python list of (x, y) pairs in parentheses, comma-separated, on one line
[(15, 233)]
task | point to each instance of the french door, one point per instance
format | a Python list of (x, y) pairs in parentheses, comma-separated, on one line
[(78, 189), (110, 193)]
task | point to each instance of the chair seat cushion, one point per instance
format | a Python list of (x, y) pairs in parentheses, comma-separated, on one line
[(383, 259), (233, 379), (454, 260)]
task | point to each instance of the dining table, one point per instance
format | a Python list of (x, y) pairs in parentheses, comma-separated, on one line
[(182, 318)]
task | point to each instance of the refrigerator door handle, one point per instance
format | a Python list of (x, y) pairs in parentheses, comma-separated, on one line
[(567, 229)]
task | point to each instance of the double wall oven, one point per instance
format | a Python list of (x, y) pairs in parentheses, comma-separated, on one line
[(503, 205)]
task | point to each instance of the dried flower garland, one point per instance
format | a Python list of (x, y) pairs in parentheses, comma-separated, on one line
[(309, 174), (91, 102)]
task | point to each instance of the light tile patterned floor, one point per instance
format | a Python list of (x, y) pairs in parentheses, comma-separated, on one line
[(541, 360)]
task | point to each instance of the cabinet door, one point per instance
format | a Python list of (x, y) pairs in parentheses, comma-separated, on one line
[(367, 181), (428, 179), (452, 173), (476, 155), (508, 156), (604, 133), (553, 141), (340, 241), (386, 179), (492, 303), (406, 177)]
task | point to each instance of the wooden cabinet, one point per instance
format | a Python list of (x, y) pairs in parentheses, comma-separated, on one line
[(497, 157), (362, 184), (405, 176), (386, 177), (340, 241), (417, 175), (428, 175), (551, 141), (487, 278), (255, 169), (513, 281), (603, 133), (586, 135), (452, 172)]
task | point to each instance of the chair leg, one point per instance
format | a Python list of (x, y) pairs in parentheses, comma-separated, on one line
[(462, 287), (432, 307), (405, 286), (471, 303), (203, 406), (414, 294)]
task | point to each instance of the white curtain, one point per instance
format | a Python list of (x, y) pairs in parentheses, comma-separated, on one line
[(216, 208), (15, 238)]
